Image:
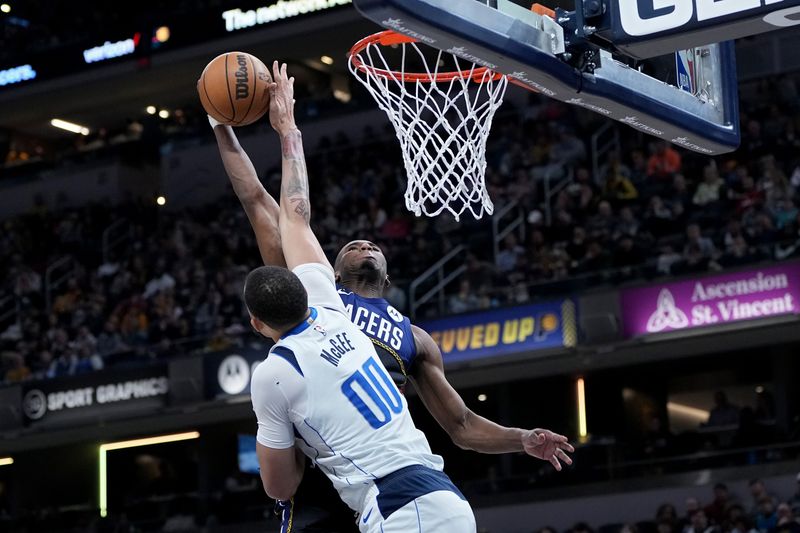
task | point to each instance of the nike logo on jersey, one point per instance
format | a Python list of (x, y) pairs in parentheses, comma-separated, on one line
[(367, 517)]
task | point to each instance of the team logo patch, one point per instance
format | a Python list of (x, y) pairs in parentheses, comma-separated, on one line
[(394, 313)]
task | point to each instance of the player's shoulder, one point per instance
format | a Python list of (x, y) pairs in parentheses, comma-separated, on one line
[(275, 365)]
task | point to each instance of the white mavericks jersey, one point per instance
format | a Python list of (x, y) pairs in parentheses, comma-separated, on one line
[(324, 386)]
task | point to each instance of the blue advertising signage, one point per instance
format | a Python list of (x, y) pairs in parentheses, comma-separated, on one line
[(505, 331)]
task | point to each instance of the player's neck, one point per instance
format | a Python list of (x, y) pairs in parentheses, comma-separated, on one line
[(364, 287)]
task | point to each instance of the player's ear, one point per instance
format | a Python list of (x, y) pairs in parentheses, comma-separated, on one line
[(337, 277), (387, 282)]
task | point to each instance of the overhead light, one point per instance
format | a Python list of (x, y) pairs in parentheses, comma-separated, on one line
[(161, 200), (163, 113), (328, 60), (5, 8), (162, 34), (104, 448), (701, 415), (342, 96), (482, 397), (5, 461), (69, 126), (151, 110), (581, 390), (759, 389)]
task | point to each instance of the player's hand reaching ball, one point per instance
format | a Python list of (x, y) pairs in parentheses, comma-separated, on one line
[(281, 100), (548, 446)]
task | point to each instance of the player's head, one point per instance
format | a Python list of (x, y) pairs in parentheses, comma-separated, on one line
[(361, 261), (276, 300)]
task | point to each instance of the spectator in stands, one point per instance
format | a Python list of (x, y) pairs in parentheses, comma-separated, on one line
[(627, 225), (617, 188), (17, 369), (767, 516), (724, 413), (758, 492), (510, 254), (694, 238), (667, 518), (465, 299), (576, 248), (664, 162), (658, 218), (717, 510), (795, 499), (568, 149), (710, 192), (602, 224), (787, 521), (698, 523)]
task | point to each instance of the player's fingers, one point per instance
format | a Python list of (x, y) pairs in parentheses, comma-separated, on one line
[(564, 457), (283, 71), (568, 447), (555, 463)]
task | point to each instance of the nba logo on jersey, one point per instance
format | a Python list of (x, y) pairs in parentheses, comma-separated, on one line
[(685, 67)]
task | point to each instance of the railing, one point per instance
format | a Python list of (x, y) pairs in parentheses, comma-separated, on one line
[(600, 462), (604, 141), (114, 235), (550, 191), (517, 222), (437, 270), (56, 275)]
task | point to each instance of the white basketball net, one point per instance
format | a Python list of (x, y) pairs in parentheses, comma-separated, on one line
[(442, 125)]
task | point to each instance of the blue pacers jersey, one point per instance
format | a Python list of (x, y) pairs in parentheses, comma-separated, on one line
[(388, 330)]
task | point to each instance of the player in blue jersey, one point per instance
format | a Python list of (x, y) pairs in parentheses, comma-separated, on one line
[(406, 350), (323, 389)]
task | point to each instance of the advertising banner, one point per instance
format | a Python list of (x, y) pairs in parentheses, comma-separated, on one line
[(100, 394), (228, 373), (504, 331), (745, 295)]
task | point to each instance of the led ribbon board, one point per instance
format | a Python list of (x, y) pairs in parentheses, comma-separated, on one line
[(486, 36)]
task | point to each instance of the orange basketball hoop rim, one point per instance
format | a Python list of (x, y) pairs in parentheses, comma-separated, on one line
[(392, 38)]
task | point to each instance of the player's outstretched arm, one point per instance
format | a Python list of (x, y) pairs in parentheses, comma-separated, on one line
[(469, 430), (261, 208), (300, 246)]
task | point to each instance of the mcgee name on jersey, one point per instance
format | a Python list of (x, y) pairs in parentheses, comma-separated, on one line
[(376, 326)]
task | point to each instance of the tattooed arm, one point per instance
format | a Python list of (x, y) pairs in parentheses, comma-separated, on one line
[(300, 246)]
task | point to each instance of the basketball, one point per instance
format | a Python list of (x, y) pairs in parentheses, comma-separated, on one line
[(234, 88)]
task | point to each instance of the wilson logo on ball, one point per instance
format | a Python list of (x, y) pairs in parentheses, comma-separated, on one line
[(241, 78)]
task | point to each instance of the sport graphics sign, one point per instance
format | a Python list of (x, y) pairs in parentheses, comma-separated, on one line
[(746, 295), (505, 331), (102, 393)]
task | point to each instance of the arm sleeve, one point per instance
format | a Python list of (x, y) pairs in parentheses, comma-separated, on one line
[(271, 407), (320, 285)]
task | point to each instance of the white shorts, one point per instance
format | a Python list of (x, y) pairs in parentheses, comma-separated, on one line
[(441, 510)]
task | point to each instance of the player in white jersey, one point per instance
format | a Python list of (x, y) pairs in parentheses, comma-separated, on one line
[(323, 386)]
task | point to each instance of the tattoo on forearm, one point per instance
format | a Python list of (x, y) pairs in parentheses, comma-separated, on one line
[(292, 145), (302, 209), (294, 186)]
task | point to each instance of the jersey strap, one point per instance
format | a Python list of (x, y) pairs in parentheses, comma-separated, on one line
[(285, 509)]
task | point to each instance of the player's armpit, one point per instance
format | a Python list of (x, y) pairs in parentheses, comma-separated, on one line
[(467, 429), (281, 470)]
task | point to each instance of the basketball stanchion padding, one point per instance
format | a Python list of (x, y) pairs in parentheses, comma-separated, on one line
[(442, 114)]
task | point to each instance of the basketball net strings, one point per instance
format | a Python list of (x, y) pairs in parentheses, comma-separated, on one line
[(442, 129)]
